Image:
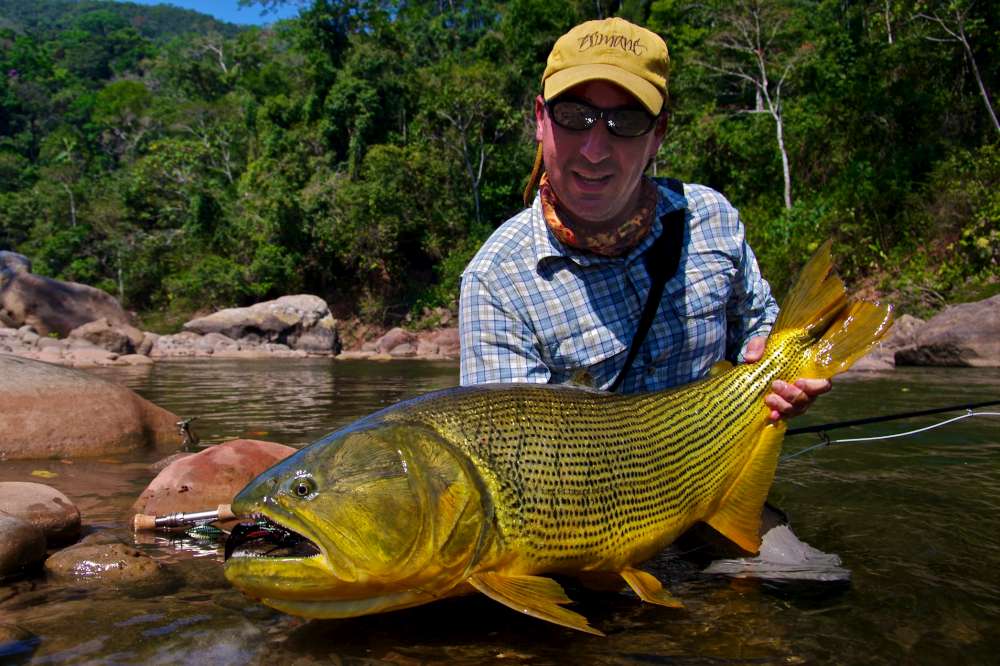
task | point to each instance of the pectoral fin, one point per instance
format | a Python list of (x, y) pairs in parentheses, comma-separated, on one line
[(738, 515), (536, 596), (648, 588)]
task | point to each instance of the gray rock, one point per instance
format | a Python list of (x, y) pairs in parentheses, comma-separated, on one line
[(52, 305), (110, 563), (405, 350), (301, 322), (148, 340), (966, 335), (55, 412), (22, 546), (14, 263), (42, 506), (118, 338), (393, 338)]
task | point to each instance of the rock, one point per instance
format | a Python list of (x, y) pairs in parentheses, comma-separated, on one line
[(163, 463), (120, 338), (111, 563), (393, 339), (883, 357), (303, 322), (89, 357), (14, 263), (50, 306), (447, 341), (43, 507), (967, 335), (208, 478), (22, 546), (54, 412), (405, 350), (135, 359), (148, 340), (17, 643), (178, 344)]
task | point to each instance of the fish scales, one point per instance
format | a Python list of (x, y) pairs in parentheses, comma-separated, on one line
[(580, 476)]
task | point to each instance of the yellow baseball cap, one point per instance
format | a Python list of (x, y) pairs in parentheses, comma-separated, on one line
[(610, 50)]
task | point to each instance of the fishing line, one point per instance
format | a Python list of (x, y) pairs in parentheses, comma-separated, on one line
[(848, 440)]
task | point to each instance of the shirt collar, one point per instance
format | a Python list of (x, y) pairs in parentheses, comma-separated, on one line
[(548, 247)]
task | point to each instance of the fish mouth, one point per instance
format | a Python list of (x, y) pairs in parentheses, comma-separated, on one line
[(264, 538)]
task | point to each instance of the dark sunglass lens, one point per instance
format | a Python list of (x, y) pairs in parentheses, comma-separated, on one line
[(573, 115), (629, 122)]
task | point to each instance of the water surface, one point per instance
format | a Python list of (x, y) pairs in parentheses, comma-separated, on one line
[(916, 520)]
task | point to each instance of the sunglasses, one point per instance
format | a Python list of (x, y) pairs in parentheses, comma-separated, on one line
[(572, 114)]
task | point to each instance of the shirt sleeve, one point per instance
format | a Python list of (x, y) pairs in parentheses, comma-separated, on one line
[(496, 345), (751, 310)]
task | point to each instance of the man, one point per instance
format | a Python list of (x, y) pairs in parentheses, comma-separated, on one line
[(557, 291)]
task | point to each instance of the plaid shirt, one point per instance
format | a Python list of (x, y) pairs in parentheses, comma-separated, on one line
[(535, 310)]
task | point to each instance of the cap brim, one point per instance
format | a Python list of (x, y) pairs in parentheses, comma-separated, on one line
[(638, 87)]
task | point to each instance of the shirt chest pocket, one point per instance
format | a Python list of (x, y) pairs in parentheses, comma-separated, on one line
[(599, 350), (694, 333)]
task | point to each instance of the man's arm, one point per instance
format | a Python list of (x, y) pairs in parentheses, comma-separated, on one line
[(496, 345)]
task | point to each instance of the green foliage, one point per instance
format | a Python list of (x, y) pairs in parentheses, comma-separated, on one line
[(364, 151)]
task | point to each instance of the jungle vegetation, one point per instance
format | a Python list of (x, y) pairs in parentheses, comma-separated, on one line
[(364, 150)]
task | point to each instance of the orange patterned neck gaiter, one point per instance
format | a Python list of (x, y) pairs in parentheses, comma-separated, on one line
[(613, 243)]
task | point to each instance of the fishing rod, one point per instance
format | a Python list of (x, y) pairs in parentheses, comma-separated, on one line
[(888, 417), (826, 441)]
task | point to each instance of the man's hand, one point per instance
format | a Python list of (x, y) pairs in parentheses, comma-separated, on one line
[(786, 400)]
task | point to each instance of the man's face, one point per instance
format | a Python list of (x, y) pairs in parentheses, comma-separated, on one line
[(594, 173)]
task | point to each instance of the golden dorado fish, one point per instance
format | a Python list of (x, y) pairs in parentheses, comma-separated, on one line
[(490, 488)]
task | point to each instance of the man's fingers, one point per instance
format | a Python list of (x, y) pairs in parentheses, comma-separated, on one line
[(814, 387)]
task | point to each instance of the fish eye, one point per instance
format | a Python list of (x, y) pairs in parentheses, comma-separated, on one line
[(303, 486)]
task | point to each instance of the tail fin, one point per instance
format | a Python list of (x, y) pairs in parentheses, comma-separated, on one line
[(818, 304)]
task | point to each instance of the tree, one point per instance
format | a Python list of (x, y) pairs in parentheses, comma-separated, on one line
[(954, 23), (757, 45)]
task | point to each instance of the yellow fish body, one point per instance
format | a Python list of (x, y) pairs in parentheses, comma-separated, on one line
[(488, 488)]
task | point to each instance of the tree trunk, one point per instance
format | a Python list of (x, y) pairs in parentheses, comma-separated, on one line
[(979, 82), (779, 130)]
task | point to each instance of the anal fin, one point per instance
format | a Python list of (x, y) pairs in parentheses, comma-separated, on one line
[(738, 515), (648, 588), (536, 596)]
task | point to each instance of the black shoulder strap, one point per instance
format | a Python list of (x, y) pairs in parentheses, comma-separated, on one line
[(662, 259)]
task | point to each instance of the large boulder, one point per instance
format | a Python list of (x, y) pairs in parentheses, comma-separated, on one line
[(883, 357), (967, 334), (205, 480), (54, 412), (302, 322), (48, 305)]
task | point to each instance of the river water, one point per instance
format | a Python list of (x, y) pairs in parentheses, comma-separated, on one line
[(916, 520)]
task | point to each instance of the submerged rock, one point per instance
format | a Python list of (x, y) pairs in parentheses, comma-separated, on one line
[(42, 506), (209, 478), (22, 546), (54, 412), (114, 563)]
